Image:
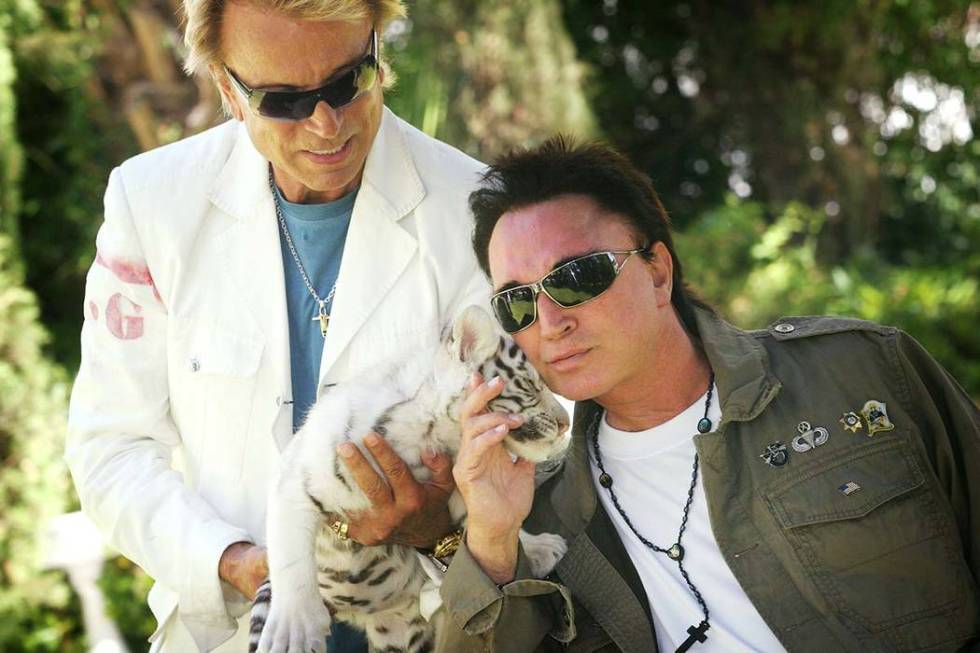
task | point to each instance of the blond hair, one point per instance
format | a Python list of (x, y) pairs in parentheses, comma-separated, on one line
[(202, 23)]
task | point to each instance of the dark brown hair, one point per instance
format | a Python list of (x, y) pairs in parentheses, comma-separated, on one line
[(559, 166)]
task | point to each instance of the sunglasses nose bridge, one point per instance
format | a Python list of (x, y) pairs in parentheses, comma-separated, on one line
[(551, 316), (324, 119), (536, 290), (540, 289)]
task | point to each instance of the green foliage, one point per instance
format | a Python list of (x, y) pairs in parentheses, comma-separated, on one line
[(52, 169), (756, 271), (488, 76), (836, 104), (125, 587), (37, 612), (11, 155), (65, 132)]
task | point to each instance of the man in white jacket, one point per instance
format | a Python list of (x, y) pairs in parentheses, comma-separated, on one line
[(240, 272)]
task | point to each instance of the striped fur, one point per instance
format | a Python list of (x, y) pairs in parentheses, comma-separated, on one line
[(414, 405)]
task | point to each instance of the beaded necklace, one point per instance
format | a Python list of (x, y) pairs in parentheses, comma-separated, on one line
[(675, 551)]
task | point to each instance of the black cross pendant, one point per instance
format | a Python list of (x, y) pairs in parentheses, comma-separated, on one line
[(695, 635)]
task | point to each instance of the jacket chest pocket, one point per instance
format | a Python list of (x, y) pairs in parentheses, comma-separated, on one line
[(877, 542), (212, 385)]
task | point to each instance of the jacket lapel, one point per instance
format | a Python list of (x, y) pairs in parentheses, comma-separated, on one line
[(596, 568), (251, 257), (377, 249)]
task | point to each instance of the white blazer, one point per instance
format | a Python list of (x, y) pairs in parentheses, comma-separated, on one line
[(183, 400)]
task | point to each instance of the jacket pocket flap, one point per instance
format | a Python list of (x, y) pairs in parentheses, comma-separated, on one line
[(233, 357), (849, 487), (216, 350)]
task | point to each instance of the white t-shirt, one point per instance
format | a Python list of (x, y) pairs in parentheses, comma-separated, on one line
[(651, 473)]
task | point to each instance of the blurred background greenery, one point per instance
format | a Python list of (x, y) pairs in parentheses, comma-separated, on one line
[(816, 157)]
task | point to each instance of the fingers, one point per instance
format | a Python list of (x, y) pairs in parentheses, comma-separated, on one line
[(371, 483), (482, 431), (478, 394), (394, 494), (480, 444), (403, 484), (473, 414), (441, 467)]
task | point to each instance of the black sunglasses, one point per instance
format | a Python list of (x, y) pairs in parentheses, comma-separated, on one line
[(571, 284), (300, 105)]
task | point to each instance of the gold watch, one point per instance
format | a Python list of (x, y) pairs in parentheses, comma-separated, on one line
[(442, 552)]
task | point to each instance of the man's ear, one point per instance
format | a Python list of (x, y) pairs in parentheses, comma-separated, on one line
[(662, 271), (230, 99)]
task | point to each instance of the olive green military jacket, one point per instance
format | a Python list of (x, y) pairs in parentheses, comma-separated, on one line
[(869, 541)]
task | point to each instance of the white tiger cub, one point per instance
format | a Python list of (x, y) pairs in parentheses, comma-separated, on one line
[(413, 405)]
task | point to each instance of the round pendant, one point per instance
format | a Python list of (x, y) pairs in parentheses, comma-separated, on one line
[(675, 552), (605, 480), (704, 425)]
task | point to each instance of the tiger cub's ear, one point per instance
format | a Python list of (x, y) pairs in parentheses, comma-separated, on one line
[(474, 338)]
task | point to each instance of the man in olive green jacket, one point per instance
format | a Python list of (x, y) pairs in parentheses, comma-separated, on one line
[(833, 503)]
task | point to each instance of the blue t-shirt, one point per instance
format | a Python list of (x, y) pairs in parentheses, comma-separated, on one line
[(318, 232)]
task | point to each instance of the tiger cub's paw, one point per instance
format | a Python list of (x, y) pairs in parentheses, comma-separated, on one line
[(543, 551), (295, 626)]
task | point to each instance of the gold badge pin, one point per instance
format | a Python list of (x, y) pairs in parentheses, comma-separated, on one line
[(851, 422), (876, 415)]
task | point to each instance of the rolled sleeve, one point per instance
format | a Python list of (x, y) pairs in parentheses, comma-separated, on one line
[(524, 611)]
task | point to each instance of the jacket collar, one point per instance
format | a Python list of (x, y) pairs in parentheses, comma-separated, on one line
[(745, 383), (241, 189), (391, 180)]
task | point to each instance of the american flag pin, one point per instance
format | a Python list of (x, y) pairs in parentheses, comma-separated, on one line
[(849, 488)]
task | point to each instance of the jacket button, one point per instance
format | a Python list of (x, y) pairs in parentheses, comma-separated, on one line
[(783, 327)]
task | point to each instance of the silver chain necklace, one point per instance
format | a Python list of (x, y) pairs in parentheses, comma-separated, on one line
[(321, 315)]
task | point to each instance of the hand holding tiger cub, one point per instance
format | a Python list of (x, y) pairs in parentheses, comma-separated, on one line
[(496, 488), (403, 510)]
